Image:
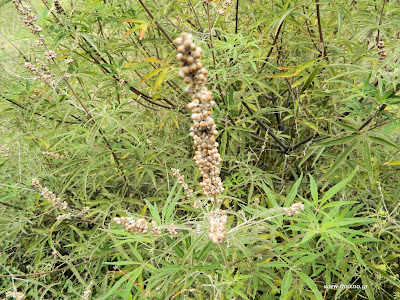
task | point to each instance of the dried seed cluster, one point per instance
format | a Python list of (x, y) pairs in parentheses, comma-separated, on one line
[(29, 17), (294, 209), (181, 181), (154, 228), (203, 130), (16, 295), (59, 9), (47, 78), (50, 54), (171, 230), (69, 61), (217, 226), (139, 226), (87, 291), (55, 155), (43, 66), (49, 195), (381, 51), (5, 152), (64, 217)]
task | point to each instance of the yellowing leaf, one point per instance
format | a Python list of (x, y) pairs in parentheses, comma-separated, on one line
[(265, 261), (143, 29), (309, 124), (31, 138), (154, 60), (393, 163), (160, 79), (151, 74), (130, 31), (129, 64), (134, 21), (297, 71), (125, 156)]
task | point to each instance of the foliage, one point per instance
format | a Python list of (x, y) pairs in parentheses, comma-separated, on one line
[(307, 111)]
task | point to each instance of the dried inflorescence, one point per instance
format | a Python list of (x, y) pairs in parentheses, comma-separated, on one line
[(29, 17), (50, 54), (47, 78), (154, 228), (59, 9), (294, 209), (171, 230), (204, 130), (5, 152), (44, 67), (49, 195), (381, 51), (139, 226), (181, 181), (64, 217), (69, 61), (217, 226), (55, 155), (87, 291), (16, 295)]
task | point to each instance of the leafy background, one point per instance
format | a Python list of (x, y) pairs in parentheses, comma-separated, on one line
[(307, 110)]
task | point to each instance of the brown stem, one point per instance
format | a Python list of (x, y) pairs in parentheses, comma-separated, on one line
[(158, 25), (380, 20), (321, 36)]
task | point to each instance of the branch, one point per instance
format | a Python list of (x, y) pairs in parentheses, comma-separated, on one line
[(321, 37), (268, 129)]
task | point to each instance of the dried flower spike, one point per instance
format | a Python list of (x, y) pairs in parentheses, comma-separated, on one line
[(50, 54), (16, 295), (203, 130), (294, 209), (49, 195), (59, 9), (217, 231)]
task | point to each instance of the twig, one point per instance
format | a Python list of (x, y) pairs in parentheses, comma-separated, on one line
[(380, 20), (158, 25), (237, 16), (268, 129), (321, 37)]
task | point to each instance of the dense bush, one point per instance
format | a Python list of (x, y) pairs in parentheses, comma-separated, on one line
[(94, 118)]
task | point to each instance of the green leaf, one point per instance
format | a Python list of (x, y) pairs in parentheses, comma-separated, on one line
[(339, 161), (271, 197), (337, 141), (310, 284), (286, 283), (332, 191), (383, 142), (314, 189), (366, 282), (367, 160), (293, 192)]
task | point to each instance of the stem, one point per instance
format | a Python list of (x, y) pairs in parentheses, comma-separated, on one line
[(212, 52), (237, 16), (321, 37), (268, 129), (380, 20)]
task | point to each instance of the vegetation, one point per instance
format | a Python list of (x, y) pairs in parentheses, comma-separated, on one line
[(294, 195)]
